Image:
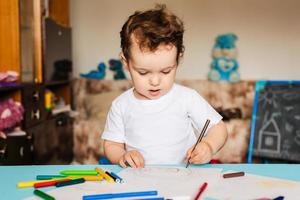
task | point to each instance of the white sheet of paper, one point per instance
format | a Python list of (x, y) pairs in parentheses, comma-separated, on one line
[(254, 187), (168, 181), (179, 181), (173, 182)]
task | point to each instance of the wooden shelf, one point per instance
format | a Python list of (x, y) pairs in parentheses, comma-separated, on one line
[(23, 27), (57, 83), (9, 88)]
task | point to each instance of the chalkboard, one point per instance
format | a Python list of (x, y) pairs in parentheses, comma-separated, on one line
[(275, 128)]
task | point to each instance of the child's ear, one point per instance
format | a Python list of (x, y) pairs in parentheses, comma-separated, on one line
[(124, 61)]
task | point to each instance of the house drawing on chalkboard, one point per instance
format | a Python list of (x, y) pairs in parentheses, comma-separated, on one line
[(275, 125), (269, 137)]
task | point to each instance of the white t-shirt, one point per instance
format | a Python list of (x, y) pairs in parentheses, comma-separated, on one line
[(159, 129)]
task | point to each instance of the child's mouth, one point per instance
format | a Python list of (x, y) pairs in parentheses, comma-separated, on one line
[(154, 92)]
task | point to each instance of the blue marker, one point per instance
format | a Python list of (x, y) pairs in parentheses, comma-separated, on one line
[(118, 178), (119, 195), (279, 198)]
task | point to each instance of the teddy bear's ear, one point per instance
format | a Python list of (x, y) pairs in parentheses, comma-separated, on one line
[(233, 36)]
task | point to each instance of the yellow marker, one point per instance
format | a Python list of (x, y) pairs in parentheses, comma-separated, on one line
[(88, 178), (25, 184), (29, 183), (102, 173)]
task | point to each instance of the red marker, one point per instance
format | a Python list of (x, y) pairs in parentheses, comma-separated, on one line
[(49, 183), (202, 188)]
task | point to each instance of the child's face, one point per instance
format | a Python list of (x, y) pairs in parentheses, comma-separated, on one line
[(152, 73)]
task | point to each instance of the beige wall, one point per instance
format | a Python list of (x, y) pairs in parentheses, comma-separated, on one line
[(268, 31)]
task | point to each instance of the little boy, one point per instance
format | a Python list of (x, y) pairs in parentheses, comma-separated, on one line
[(151, 123)]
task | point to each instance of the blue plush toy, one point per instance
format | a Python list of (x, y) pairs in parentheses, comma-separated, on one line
[(226, 41), (96, 74), (117, 67), (224, 65), (224, 69)]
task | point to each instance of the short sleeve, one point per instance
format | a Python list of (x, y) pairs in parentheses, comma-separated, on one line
[(199, 110), (114, 126)]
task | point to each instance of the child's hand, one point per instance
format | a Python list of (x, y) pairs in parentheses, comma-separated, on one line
[(133, 159), (2, 135), (202, 154)]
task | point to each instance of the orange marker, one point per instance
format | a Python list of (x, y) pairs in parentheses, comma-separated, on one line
[(88, 178)]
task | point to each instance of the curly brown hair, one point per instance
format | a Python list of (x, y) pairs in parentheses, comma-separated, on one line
[(153, 28)]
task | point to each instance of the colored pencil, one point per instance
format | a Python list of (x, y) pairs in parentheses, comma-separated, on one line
[(43, 195), (119, 195), (79, 172), (71, 182), (49, 183), (234, 174), (199, 139), (47, 177), (118, 178), (279, 198), (87, 178), (201, 190), (105, 176), (28, 183)]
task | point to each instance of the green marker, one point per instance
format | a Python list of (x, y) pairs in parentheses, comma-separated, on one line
[(79, 172), (71, 182), (43, 195), (47, 177)]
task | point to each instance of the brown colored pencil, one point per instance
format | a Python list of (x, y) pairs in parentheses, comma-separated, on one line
[(199, 139), (234, 174)]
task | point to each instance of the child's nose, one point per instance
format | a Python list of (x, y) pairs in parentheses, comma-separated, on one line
[(154, 80)]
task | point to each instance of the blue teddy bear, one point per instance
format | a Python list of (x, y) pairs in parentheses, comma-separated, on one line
[(224, 65), (226, 41), (224, 69)]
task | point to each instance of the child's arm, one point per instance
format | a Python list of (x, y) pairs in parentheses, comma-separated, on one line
[(210, 144), (116, 154)]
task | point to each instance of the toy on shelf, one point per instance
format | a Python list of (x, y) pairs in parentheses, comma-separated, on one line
[(62, 70), (224, 65), (11, 114), (96, 74), (8, 78), (117, 67), (49, 100)]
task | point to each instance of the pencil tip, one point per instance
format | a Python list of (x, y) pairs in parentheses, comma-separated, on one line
[(187, 164)]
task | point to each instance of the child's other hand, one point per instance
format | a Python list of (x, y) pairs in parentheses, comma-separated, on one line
[(202, 154), (133, 159), (2, 135)]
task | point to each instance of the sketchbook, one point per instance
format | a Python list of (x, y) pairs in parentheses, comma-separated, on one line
[(172, 182)]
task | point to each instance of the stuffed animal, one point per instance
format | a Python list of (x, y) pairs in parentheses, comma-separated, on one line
[(224, 69), (226, 41), (96, 74), (224, 65), (62, 70), (11, 113), (117, 67)]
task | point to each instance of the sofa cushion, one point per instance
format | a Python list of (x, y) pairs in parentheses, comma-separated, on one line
[(97, 105)]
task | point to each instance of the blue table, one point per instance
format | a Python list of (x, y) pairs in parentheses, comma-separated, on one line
[(11, 175)]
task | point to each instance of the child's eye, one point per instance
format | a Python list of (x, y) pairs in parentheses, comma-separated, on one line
[(143, 73), (166, 72)]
